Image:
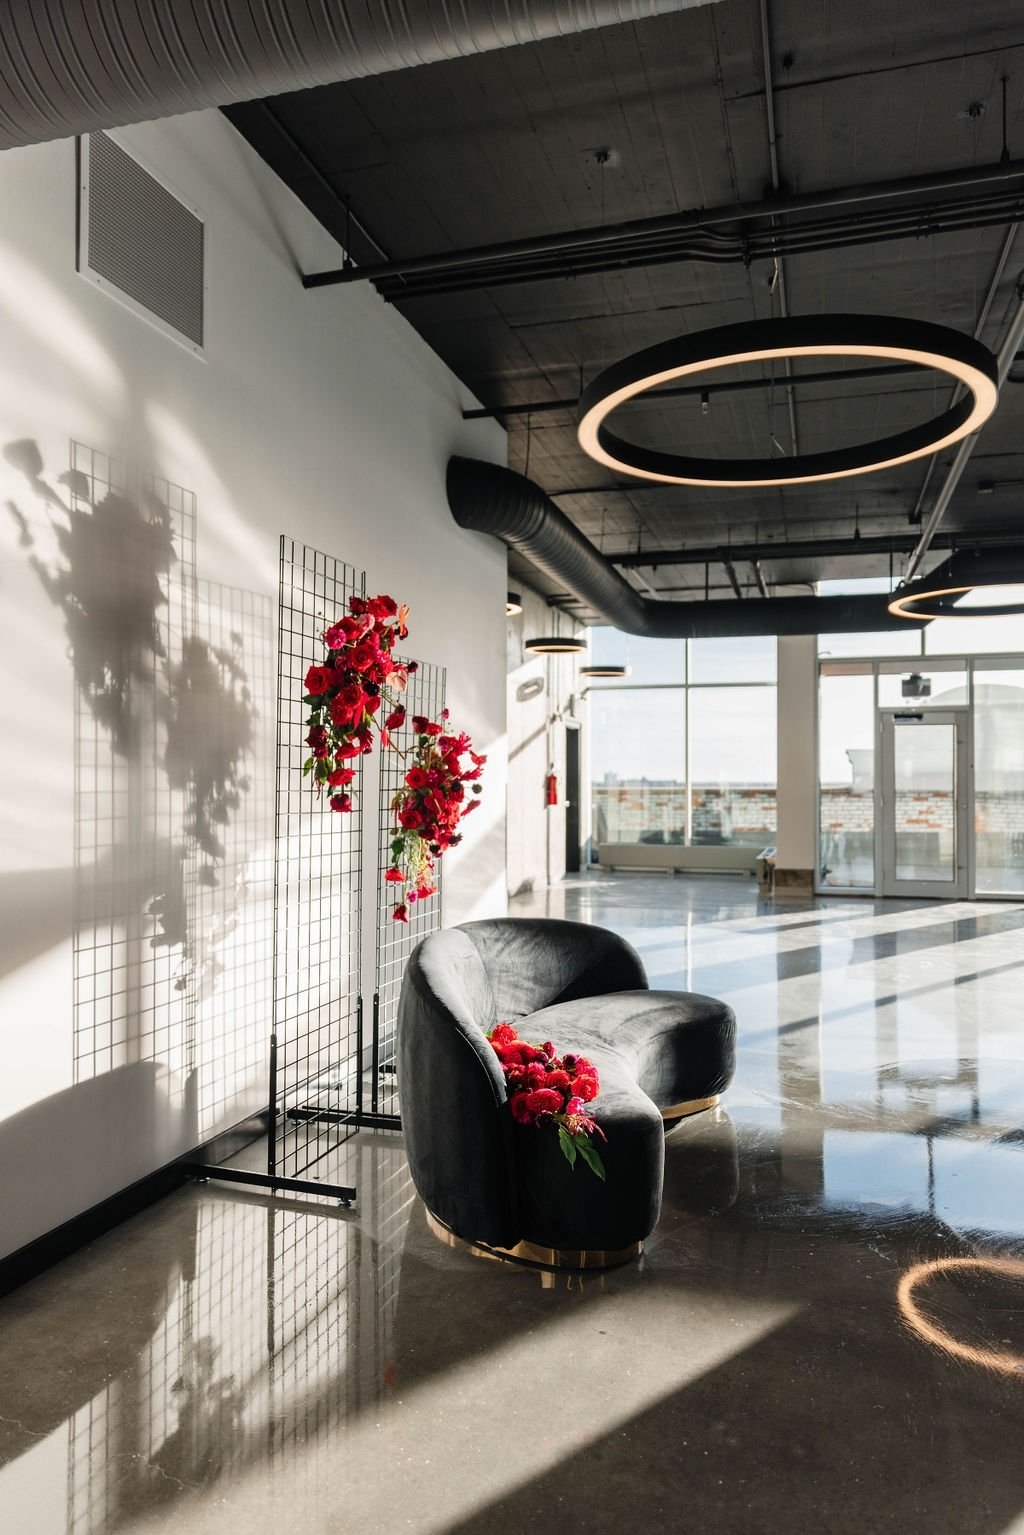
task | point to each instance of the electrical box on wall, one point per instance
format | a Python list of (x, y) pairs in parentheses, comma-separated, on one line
[(140, 242)]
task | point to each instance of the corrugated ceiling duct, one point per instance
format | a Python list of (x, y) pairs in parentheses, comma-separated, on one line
[(488, 499), (75, 66)]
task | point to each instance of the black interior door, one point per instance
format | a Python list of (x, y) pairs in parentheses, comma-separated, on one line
[(572, 800)]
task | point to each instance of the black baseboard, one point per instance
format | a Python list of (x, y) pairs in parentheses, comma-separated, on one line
[(32, 1259)]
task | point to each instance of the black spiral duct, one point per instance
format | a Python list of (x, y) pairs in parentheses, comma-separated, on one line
[(489, 499), (73, 66)]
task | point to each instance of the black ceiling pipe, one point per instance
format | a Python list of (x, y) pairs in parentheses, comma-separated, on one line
[(75, 66), (706, 223), (721, 386), (806, 548), (840, 233), (489, 499)]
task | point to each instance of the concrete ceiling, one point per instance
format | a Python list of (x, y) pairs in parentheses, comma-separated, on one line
[(509, 145)]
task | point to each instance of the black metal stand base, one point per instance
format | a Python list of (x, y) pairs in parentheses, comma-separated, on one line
[(342, 1117), (271, 1181)]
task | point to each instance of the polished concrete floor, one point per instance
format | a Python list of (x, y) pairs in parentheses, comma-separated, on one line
[(826, 1332)]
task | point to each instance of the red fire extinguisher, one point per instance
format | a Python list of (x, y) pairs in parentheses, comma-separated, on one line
[(551, 789)]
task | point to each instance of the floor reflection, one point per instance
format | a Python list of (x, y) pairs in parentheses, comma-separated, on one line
[(822, 1333)]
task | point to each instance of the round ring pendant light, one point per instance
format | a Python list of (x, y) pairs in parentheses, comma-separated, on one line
[(958, 588), (838, 335), (513, 604)]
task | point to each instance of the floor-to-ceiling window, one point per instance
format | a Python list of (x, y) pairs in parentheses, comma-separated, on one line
[(846, 769), (683, 750), (972, 665), (999, 777)]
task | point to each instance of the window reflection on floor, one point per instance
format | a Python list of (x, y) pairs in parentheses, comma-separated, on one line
[(873, 1125)]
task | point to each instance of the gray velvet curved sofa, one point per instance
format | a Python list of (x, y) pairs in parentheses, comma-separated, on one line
[(498, 1183)]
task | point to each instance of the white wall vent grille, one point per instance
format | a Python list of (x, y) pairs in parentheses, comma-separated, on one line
[(139, 241)]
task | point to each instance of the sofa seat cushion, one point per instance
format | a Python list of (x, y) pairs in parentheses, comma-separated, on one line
[(675, 1045), (652, 1049)]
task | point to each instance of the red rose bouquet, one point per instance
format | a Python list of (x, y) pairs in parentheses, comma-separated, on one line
[(358, 681), (348, 689), (429, 806), (545, 1088)]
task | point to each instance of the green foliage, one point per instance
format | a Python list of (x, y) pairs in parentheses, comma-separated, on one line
[(587, 1150), (569, 1144)]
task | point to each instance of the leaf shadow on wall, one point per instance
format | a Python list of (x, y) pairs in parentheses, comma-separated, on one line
[(172, 680), (109, 581)]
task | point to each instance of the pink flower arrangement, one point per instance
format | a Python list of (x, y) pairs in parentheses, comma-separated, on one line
[(548, 1089), (346, 693)]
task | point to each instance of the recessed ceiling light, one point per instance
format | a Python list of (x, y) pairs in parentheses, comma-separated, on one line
[(837, 335)]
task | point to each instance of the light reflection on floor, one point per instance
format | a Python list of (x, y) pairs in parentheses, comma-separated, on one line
[(227, 1363)]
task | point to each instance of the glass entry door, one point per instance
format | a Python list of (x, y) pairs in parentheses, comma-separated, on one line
[(922, 808)]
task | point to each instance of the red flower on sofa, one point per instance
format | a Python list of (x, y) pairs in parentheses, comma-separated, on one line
[(543, 1090), (585, 1086)]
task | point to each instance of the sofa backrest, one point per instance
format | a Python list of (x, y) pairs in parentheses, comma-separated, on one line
[(534, 962), (458, 1137)]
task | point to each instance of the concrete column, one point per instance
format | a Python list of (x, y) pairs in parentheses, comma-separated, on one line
[(797, 836)]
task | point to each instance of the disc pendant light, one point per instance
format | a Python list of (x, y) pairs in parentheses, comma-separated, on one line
[(963, 358), (556, 645)]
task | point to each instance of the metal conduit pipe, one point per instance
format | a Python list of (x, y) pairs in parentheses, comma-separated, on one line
[(841, 233), (990, 293), (1012, 344), (700, 220), (75, 66), (486, 498), (779, 275), (807, 548), (682, 391)]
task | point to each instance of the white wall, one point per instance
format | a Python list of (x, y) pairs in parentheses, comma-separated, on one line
[(796, 838), (536, 744), (322, 415)]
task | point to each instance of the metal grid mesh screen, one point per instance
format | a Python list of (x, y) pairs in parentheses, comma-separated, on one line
[(223, 702), (396, 940), (317, 894), (142, 240), (135, 874), (173, 741)]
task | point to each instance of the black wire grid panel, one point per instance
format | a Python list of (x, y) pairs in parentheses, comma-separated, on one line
[(134, 877), (316, 1047), (173, 704), (396, 940), (223, 706)]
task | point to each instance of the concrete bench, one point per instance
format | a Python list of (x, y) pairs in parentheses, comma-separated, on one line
[(675, 858)]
